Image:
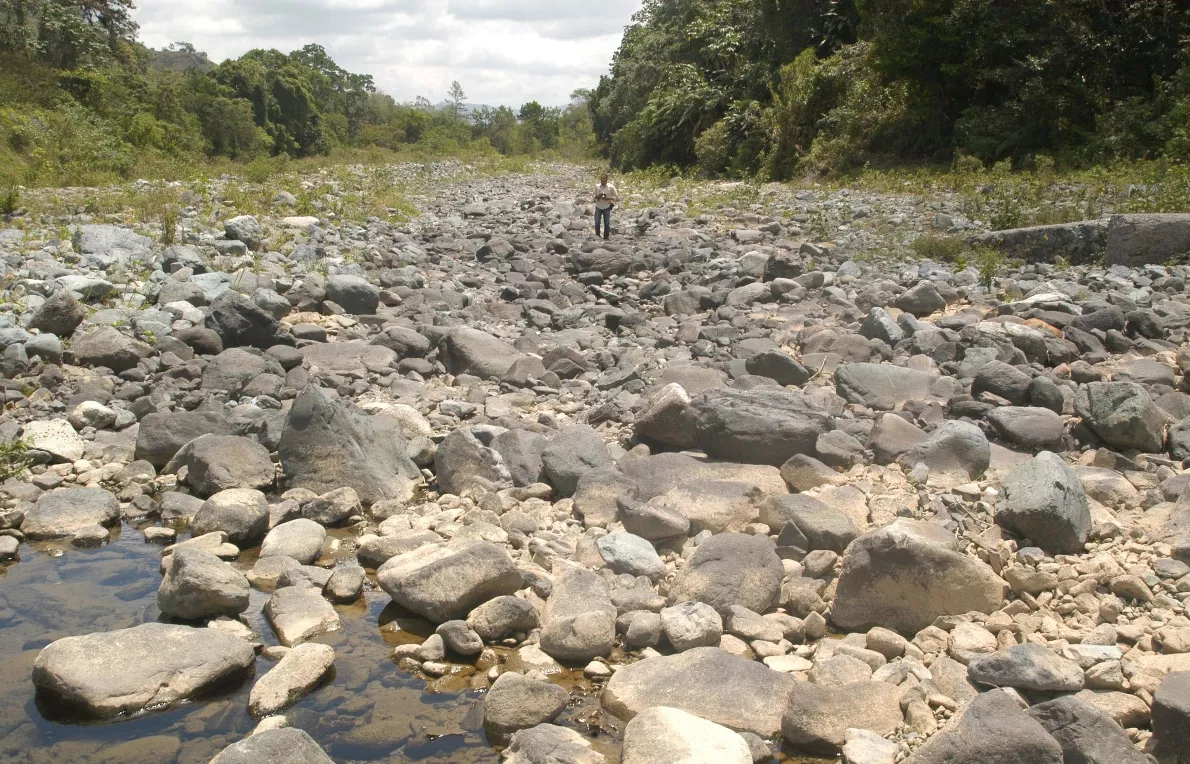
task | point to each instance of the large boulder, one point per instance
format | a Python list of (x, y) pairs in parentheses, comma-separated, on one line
[(288, 745), (1087, 735), (353, 294), (1028, 426), (992, 729), (579, 619), (299, 671), (146, 667), (300, 613), (1027, 667), (60, 314), (517, 702), (355, 359), (197, 584), (469, 351), (241, 322), (64, 512), (218, 462), (572, 453), (445, 582), (550, 744), (710, 683), (1044, 501), (1171, 718), (466, 457), (731, 569), (300, 539), (236, 368), (823, 527), (906, 574), (107, 346), (816, 716), (162, 434), (954, 448), (664, 418), (762, 426), (241, 513), (1123, 415), (672, 736), (922, 300), (325, 446), (881, 384)]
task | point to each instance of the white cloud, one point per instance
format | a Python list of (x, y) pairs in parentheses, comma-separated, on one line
[(503, 52)]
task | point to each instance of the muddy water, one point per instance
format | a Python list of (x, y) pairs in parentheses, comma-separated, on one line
[(369, 711)]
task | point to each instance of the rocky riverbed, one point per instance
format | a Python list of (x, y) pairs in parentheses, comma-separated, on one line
[(741, 484)]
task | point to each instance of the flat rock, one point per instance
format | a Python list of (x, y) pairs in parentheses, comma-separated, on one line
[(672, 736), (735, 692), (298, 672), (146, 667), (299, 613)]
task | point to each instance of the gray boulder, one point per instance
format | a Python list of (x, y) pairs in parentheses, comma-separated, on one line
[(672, 736), (1027, 667), (240, 322), (245, 228), (241, 513), (146, 667), (1171, 719), (288, 745), (954, 448), (521, 452), (730, 569), (992, 729), (817, 716), (501, 616), (469, 351), (236, 368), (106, 346), (1028, 426), (300, 539), (197, 584), (869, 384), (60, 314), (906, 574), (579, 619), (517, 702), (162, 434), (762, 426), (325, 445), (631, 554), (823, 527), (1087, 735), (466, 457), (353, 294), (921, 300), (1003, 380), (550, 744), (1044, 501), (64, 512), (297, 673), (218, 462), (710, 683), (1123, 415), (572, 453), (446, 582)]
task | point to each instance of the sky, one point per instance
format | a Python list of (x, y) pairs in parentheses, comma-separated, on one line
[(503, 52)]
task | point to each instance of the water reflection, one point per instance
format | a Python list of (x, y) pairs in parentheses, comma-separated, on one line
[(369, 711)]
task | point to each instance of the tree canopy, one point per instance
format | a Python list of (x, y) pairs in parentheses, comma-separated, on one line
[(784, 86)]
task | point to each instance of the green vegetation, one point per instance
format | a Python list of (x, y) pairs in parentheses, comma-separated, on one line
[(82, 103), (788, 88), (14, 458)]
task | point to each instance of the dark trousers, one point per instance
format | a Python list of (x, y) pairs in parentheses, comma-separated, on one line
[(606, 217)]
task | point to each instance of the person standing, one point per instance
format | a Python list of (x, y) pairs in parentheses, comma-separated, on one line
[(605, 198)]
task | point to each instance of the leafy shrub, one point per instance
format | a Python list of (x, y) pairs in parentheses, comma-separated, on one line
[(10, 200), (14, 459), (942, 249)]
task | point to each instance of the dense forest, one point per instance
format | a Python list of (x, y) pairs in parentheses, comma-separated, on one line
[(81, 101), (796, 87)]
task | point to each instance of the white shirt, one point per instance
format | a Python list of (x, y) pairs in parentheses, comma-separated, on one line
[(610, 192)]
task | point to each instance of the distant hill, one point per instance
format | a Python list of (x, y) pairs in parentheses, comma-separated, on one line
[(181, 59)]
